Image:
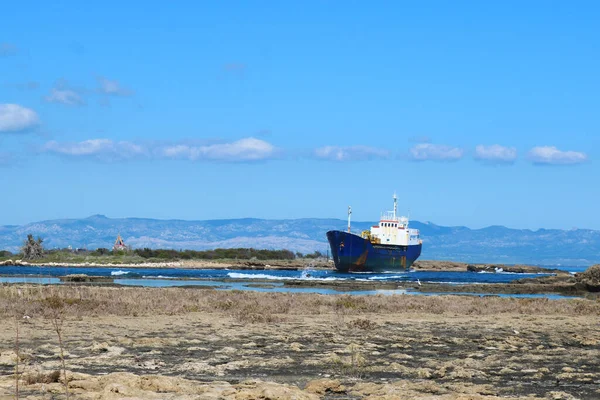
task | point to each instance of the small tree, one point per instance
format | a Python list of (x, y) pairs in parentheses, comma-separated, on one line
[(33, 249), (102, 251)]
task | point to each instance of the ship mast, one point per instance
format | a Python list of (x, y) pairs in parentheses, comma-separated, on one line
[(349, 215), (395, 205)]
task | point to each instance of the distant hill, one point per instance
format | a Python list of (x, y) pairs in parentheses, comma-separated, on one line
[(496, 244)]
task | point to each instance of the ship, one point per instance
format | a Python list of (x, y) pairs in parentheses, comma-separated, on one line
[(387, 247)]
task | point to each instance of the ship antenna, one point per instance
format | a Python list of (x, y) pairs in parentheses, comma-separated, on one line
[(349, 215), (395, 205)]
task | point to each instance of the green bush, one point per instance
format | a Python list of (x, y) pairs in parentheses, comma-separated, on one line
[(239, 253)]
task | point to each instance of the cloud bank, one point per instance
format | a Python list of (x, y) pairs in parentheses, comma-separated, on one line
[(435, 152), (101, 149), (247, 149), (65, 96), (350, 153), (496, 154), (550, 155), (243, 150), (16, 118)]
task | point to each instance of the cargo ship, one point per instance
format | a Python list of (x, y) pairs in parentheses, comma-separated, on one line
[(387, 247)]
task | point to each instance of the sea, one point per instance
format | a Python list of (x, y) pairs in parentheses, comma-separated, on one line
[(266, 280)]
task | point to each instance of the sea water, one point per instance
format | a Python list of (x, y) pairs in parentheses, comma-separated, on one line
[(271, 280)]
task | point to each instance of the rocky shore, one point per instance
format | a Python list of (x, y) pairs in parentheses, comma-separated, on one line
[(584, 284), (298, 264), (560, 282), (429, 265), (139, 343)]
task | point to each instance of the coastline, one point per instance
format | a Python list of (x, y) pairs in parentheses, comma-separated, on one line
[(301, 264), (557, 282)]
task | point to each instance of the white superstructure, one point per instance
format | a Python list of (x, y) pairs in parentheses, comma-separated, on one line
[(393, 230)]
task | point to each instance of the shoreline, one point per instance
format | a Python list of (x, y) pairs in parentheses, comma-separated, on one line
[(568, 286), (558, 282), (294, 265)]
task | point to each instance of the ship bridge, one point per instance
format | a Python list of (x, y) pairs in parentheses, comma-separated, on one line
[(393, 230)]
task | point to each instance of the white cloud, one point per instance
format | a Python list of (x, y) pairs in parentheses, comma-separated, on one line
[(350, 153), (435, 152), (65, 96), (16, 118), (112, 88), (495, 154), (102, 149), (243, 150), (247, 149), (550, 155)]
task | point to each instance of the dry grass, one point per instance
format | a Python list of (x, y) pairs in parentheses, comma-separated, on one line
[(42, 377), (82, 301), (362, 324), (591, 276)]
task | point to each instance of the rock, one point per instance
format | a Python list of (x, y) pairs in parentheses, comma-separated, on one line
[(251, 390), (590, 279), (125, 385), (423, 373), (296, 346), (560, 396), (322, 386)]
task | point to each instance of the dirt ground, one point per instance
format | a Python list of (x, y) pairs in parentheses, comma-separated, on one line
[(334, 354)]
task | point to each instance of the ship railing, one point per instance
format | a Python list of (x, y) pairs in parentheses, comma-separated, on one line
[(388, 216)]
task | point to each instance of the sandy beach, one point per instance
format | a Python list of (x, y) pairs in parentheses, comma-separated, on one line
[(187, 343)]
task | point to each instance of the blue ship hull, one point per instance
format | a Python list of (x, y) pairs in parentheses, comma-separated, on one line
[(352, 253)]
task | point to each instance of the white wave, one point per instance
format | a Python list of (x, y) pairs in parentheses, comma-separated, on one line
[(159, 276), (502, 272), (238, 275), (383, 278), (119, 272)]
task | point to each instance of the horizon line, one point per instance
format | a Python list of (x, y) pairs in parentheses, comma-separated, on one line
[(293, 219)]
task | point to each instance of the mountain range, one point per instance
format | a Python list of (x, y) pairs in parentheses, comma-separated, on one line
[(494, 244)]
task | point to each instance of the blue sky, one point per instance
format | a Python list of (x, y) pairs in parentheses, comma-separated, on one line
[(475, 113)]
